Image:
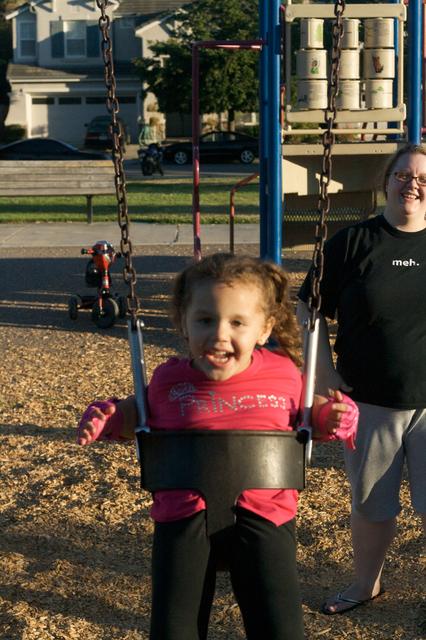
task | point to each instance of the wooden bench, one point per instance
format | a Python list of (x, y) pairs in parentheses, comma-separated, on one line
[(58, 178)]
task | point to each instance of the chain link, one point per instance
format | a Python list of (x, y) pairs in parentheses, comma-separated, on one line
[(328, 139), (112, 104)]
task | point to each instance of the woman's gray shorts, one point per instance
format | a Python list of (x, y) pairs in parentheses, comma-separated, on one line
[(386, 439)]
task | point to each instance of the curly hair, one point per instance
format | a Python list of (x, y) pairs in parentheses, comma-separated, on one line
[(408, 149), (226, 268)]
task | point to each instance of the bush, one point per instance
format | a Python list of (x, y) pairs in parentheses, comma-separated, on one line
[(251, 130), (13, 132)]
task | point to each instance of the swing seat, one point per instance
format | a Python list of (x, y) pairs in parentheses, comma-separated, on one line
[(221, 465)]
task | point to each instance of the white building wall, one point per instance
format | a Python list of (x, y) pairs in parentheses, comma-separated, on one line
[(18, 107)]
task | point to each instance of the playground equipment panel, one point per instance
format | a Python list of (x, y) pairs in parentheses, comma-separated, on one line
[(370, 115)]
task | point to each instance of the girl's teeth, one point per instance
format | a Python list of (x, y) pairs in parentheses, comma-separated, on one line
[(219, 356)]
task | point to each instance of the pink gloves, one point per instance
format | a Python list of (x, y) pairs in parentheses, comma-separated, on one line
[(348, 422), (107, 424)]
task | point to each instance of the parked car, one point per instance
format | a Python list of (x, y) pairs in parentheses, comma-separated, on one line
[(98, 133), (46, 149), (220, 146)]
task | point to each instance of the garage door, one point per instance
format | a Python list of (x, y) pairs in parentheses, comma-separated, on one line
[(58, 117), (64, 117)]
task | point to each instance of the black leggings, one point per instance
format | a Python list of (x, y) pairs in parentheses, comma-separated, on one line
[(262, 566)]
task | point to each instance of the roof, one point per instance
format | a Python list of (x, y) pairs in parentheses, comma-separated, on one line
[(145, 9), (23, 7), (27, 73), (148, 9)]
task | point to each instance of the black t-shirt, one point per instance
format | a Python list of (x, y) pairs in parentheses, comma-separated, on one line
[(374, 282)]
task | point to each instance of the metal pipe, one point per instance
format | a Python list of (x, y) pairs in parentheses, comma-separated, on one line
[(310, 353), (196, 216), (424, 69), (274, 244), (415, 8), (139, 373), (229, 44), (346, 130), (263, 127), (238, 185)]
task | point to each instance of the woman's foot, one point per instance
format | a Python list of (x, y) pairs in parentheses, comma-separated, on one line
[(346, 601)]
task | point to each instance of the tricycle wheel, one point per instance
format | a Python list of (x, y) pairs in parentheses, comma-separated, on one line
[(106, 316), (122, 306), (73, 305)]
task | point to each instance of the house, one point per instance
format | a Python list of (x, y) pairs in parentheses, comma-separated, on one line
[(57, 72)]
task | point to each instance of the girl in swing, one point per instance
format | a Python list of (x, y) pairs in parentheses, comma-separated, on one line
[(226, 308)]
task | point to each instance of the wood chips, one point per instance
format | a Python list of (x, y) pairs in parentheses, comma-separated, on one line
[(75, 534)]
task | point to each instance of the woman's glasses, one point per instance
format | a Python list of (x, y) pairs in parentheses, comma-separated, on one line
[(406, 176)]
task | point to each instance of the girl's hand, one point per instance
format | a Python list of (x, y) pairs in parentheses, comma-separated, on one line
[(102, 420), (335, 418)]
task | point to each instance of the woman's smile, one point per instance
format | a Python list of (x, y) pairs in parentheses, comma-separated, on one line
[(406, 199)]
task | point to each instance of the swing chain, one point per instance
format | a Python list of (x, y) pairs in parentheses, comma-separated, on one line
[(328, 139), (112, 104)]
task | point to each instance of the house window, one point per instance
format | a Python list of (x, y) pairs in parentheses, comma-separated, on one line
[(43, 100), (70, 100), (27, 38), (75, 38), (95, 100)]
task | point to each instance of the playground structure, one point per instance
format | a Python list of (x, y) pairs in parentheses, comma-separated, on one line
[(289, 172)]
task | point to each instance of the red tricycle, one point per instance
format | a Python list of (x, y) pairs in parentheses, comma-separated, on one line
[(106, 307)]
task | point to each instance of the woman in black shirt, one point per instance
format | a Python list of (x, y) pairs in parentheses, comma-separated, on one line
[(373, 283)]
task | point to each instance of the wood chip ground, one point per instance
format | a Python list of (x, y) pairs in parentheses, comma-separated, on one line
[(75, 534)]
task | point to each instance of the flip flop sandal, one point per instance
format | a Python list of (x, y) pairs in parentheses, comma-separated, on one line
[(352, 602)]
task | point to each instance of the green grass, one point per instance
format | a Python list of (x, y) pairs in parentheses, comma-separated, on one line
[(163, 201)]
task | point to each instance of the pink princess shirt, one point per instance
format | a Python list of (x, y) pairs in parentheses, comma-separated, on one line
[(266, 396)]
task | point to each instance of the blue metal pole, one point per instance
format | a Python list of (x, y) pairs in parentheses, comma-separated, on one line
[(415, 55), (274, 136), (263, 128)]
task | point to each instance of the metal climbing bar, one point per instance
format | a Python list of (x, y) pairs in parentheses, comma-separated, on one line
[(415, 24), (273, 245), (238, 185)]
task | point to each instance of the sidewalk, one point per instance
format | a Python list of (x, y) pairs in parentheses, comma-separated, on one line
[(84, 235)]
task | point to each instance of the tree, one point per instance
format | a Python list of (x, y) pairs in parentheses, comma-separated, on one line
[(228, 79)]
